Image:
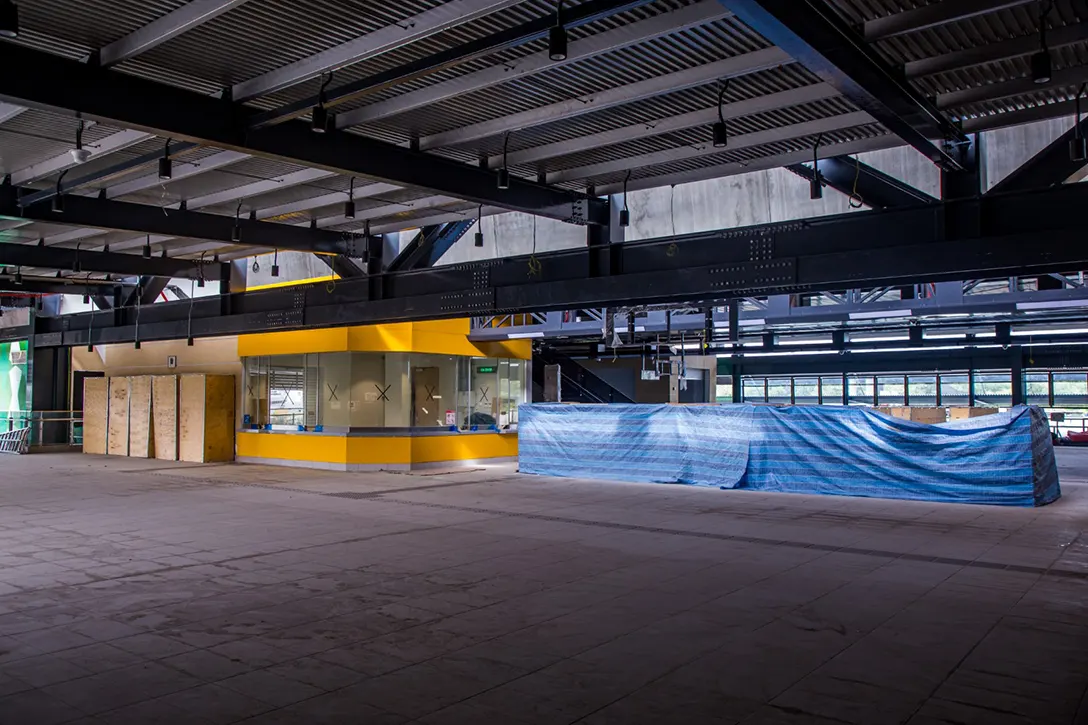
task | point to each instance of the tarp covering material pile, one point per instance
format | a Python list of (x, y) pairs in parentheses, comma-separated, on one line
[(1005, 458)]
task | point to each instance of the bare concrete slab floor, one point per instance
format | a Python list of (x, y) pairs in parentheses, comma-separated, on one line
[(143, 592)]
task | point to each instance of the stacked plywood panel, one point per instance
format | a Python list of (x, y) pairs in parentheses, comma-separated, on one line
[(918, 414), (964, 413), (168, 417)]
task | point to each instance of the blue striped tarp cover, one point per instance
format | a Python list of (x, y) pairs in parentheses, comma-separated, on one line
[(1005, 458)]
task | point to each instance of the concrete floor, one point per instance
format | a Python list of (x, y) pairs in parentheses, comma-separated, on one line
[(143, 592)]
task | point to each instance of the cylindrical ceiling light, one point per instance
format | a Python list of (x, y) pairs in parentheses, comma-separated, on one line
[(557, 36)]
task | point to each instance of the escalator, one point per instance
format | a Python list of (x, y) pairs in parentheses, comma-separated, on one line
[(579, 384)]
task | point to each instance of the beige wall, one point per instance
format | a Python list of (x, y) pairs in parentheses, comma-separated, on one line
[(217, 355)]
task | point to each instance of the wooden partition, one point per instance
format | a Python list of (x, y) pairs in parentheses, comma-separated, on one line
[(117, 429), (164, 416), (206, 418), (168, 417), (140, 441), (95, 415)]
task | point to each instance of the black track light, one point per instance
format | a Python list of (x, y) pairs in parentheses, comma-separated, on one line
[(9, 19), (504, 172), (319, 115), (276, 264), (479, 240), (1078, 147), (80, 155), (86, 299), (720, 133), (189, 341), (236, 230), (200, 282), (166, 166), (18, 277), (147, 247), (349, 205), (136, 345), (815, 186), (58, 195), (1041, 66), (557, 36), (625, 213)]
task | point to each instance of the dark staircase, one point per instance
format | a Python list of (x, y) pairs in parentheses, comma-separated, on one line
[(579, 384)]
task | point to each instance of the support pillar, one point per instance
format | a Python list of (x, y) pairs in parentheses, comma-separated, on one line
[(48, 370), (1017, 376)]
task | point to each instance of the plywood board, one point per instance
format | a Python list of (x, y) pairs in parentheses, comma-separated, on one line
[(191, 418), (95, 415), (139, 417), (117, 440), (219, 420), (164, 417)]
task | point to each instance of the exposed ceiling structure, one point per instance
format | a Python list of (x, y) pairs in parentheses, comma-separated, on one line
[(428, 100)]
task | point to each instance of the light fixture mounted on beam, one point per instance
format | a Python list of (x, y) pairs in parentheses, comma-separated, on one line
[(147, 248), (1041, 65), (1078, 147), (276, 263), (236, 230), (319, 115), (479, 240), (9, 19), (504, 172), (625, 213), (720, 132), (166, 166), (557, 36), (58, 196), (349, 205), (80, 155), (815, 186)]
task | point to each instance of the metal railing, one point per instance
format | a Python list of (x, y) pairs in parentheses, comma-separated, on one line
[(46, 427)]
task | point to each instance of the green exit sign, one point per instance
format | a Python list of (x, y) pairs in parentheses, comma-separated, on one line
[(485, 369)]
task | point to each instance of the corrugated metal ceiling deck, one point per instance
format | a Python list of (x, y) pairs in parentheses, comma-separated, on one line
[(263, 35)]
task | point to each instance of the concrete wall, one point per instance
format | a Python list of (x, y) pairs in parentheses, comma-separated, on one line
[(758, 197)]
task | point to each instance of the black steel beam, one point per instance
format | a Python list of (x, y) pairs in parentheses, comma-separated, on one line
[(812, 33), (88, 211), (518, 35), (864, 184), (146, 292), (53, 287), (343, 267), (1033, 232), (63, 85), (1051, 166), (23, 255), (427, 247)]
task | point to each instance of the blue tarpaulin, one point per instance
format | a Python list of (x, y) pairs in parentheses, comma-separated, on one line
[(1004, 458)]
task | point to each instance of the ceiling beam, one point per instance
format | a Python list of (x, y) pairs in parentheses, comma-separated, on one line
[(417, 27), (114, 142), (992, 52), (736, 109), (589, 47), (1049, 167), (1030, 233), (698, 75), (455, 55), (9, 111), (146, 219), (32, 256), (171, 25), (934, 16), (747, 140), (65, 286), (864, 184), (811, 32), (50, 81), (1005, 89), (149, 181)]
